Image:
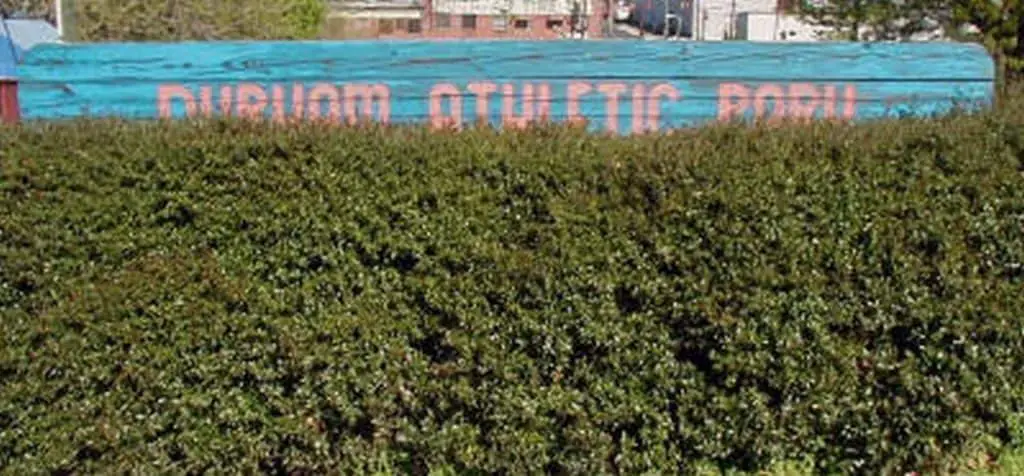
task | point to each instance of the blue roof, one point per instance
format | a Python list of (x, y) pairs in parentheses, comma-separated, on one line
[(25, 34)]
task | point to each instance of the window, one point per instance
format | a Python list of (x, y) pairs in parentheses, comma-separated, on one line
[(500, 23), (552, 24), (443, 20), (359, 24), (386, 27), (414, 26), (469, 22), (522, 24)]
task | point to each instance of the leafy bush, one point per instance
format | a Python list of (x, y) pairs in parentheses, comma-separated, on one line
[(237, 296), (146, 20), (44, 9)]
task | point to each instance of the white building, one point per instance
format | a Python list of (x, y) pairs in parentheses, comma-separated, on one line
[(773, 26), (752, 20), (709, 20), (719, 19)]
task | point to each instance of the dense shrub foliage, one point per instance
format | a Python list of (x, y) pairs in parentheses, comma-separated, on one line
[(145, 20), (176, 20), (231, 296)]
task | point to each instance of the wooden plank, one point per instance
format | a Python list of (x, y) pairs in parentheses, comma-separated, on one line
[(619, 86)]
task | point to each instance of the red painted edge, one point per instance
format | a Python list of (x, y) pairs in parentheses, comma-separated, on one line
[(10, 111)]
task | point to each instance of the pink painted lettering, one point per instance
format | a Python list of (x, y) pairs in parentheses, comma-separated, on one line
[(659, 91), (483, 91), (542, 106), (830, 101), (168, 92), (320, 92), (576, 91), (206, 101), (277, 103), (521, 103), (508, 100), (225, 100), (778, 97), (298, 100), (795, 100), (849, 102), (639, 119), (252, 100), (438, 118), (803, 100), (612, 91), (733, 100), (378, 94)]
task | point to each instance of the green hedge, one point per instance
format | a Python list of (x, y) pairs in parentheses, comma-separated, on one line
[(162, 20), (219, 295)]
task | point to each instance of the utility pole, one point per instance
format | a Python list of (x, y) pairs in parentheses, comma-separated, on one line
[(585, 20), (609, 15), (64, 14), (59, 17), (575, 19)]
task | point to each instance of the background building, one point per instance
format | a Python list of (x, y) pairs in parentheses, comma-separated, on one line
[(353, 19), (520, 19), (750, 20), (712, 20)]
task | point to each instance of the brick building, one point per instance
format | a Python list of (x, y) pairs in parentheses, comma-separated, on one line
[(355, 19), (518, 19)]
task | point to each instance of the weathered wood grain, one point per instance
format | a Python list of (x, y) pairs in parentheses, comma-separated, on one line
[(621, 86)]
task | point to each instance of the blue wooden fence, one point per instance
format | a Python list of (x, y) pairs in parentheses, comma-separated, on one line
[(615, 85)]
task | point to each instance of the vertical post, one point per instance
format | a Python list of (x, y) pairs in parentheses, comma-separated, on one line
[(428, 20), (609, 13), (585, 25), (649, 16), (698, 20), (66, 25), (10, 111), (59, 17)]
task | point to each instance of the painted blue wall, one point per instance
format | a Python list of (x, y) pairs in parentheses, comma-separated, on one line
[(8, 63), (123, 79)]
